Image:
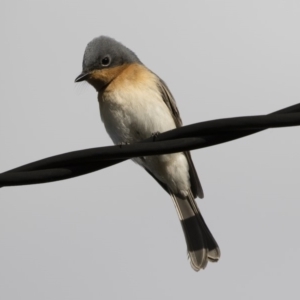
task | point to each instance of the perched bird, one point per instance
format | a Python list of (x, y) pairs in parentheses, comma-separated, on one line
[(135, 104)]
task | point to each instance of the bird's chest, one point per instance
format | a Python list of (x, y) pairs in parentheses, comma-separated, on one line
[(132, 114)]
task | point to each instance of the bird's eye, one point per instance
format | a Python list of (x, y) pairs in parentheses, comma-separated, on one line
[(105, 61)]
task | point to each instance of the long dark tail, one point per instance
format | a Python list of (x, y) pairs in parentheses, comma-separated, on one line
[(201, 245)]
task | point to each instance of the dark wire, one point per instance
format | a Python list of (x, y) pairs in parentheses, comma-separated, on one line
[(195, 136)]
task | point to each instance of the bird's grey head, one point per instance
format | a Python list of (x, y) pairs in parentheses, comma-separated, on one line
[(102, 53)]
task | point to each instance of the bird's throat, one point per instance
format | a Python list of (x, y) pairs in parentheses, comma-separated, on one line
[(100, 79)]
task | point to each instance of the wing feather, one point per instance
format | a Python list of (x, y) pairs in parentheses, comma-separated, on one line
[(171, 104)]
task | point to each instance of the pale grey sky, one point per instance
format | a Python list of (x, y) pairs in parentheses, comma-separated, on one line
[(114, 234)]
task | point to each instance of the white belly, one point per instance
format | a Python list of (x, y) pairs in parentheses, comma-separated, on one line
[(135, 114)]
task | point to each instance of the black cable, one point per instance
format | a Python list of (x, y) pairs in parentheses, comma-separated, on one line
[(189, 137)]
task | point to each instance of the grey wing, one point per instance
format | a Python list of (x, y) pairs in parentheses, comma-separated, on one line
[(170, 102)]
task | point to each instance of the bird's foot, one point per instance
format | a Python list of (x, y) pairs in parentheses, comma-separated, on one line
[(155, 135), (123, 144)]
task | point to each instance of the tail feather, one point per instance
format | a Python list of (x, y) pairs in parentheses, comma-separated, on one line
[(201, 245), (214, 252)]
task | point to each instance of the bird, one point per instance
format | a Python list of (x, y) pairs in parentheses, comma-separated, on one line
[(136, 104)]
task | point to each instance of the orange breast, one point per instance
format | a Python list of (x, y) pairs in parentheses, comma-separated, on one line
[(131, 75)]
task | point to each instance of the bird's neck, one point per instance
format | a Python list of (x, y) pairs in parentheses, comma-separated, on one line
[(100, 79)]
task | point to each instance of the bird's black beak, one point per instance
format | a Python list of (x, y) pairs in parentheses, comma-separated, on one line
[(82, 76)]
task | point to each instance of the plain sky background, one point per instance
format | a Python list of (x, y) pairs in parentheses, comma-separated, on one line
[(114, 234)]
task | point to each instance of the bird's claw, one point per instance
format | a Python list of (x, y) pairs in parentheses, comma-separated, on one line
[(123, 144), (155, 135)]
